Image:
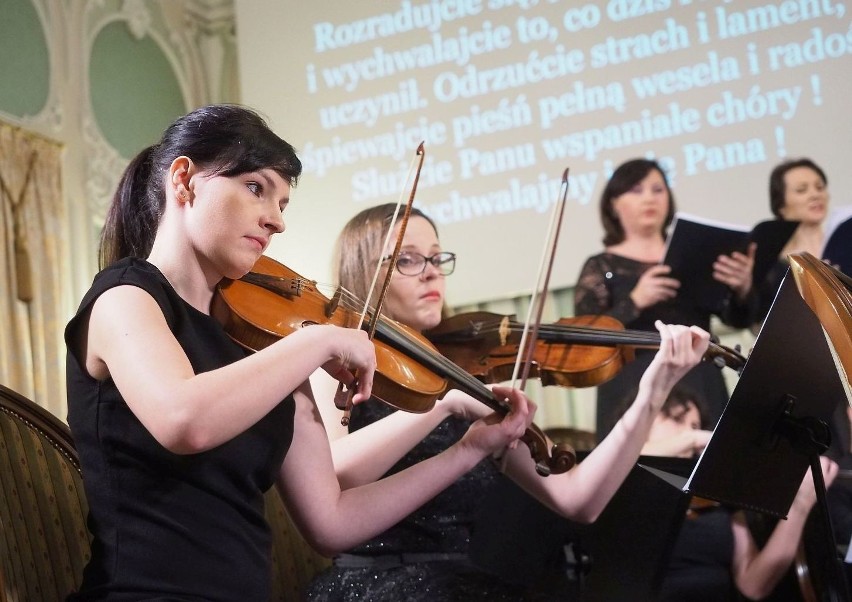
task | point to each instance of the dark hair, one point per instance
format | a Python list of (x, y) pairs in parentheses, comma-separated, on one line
[(625, 177), (680, 397), (225, 140), (777, 189)]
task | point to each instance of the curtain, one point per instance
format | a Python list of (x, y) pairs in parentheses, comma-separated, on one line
[(34, 271)]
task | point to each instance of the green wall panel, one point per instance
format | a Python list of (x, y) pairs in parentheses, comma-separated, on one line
[(24, 63), (134, 91)]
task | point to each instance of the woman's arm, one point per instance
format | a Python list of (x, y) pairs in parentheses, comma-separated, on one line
[(129, 341), (334, 519), (757, 572), (735, 271), (582, 493), (592, 296), (684, 444)]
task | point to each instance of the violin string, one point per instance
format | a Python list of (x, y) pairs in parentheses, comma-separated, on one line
[(490, 327), (557, 329), (599, 336), (422, 353), (595, 334)]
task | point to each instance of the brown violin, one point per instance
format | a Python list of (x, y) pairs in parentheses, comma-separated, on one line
[(828, 293), (583, 351), (272, 301)]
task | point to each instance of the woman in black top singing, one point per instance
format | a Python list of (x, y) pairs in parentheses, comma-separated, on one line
[(628, 281), (429, 555)]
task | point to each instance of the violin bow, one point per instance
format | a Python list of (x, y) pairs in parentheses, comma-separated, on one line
[(531, 325), (419, 157)]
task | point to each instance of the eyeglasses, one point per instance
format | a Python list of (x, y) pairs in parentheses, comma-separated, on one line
[(414, 264)]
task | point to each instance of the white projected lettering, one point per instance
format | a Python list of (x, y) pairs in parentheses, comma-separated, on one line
[(506, 94)]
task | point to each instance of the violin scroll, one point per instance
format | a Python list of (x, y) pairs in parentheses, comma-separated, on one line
[(722, 356), (560, 458)]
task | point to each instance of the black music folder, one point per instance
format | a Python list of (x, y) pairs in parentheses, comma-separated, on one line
[(696, 242)]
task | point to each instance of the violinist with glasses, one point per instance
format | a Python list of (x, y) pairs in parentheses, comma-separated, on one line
[(426, 555)]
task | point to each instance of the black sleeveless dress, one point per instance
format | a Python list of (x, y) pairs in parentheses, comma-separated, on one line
[(168, 526)]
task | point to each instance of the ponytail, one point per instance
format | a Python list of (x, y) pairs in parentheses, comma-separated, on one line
[(131, 221)]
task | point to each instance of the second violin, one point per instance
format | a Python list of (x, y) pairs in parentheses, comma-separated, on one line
[(583, 351)]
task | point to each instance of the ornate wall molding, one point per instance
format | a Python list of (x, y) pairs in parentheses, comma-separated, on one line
[(197, 39), (49, 121)]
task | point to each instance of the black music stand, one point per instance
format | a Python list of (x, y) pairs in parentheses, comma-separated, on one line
[(772, 429), (630, 544), (621, 557), (775, 424)]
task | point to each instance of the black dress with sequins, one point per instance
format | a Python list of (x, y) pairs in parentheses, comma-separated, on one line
[(425, 557), (603, 288)]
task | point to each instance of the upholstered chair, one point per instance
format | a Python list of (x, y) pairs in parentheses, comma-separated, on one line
[(44, 543)]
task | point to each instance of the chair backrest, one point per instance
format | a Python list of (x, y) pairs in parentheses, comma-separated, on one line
[(44, 543)]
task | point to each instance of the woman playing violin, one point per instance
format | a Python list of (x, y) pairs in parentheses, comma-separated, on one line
[(715, 557), (179, 430), (426, 555), (628, 281)]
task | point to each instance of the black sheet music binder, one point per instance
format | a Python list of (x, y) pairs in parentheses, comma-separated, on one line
[(696, 242)]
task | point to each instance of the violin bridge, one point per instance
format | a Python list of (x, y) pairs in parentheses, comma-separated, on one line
[(331, 307), (504, 331)]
